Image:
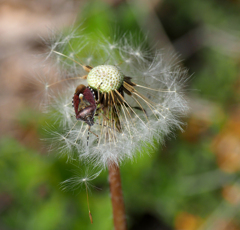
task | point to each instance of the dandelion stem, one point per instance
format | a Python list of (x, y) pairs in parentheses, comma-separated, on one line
[(119, 217)]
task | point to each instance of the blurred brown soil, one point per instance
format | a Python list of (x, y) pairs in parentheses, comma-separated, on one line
[(226, 145), (23, 24)]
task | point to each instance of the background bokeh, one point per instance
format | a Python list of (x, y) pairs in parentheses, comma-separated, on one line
[(190, 183)]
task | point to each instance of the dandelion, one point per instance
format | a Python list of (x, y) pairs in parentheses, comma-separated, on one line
[(124, 97)]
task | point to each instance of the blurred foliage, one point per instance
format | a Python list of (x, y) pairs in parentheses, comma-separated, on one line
[(185, 184)]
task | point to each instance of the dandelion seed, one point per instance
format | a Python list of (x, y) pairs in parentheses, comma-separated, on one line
[(77, 182)]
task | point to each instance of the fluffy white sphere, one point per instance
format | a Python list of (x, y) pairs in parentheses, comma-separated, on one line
[(148, 106)]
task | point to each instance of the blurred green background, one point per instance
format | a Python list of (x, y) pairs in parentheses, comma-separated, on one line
[(190, 183)]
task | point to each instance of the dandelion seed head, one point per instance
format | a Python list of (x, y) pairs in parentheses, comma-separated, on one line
[(138, 97)]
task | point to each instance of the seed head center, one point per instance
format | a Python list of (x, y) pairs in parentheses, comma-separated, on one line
[(105, 77)]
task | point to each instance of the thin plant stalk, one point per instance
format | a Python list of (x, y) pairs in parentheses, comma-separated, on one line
[(119, 217)]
